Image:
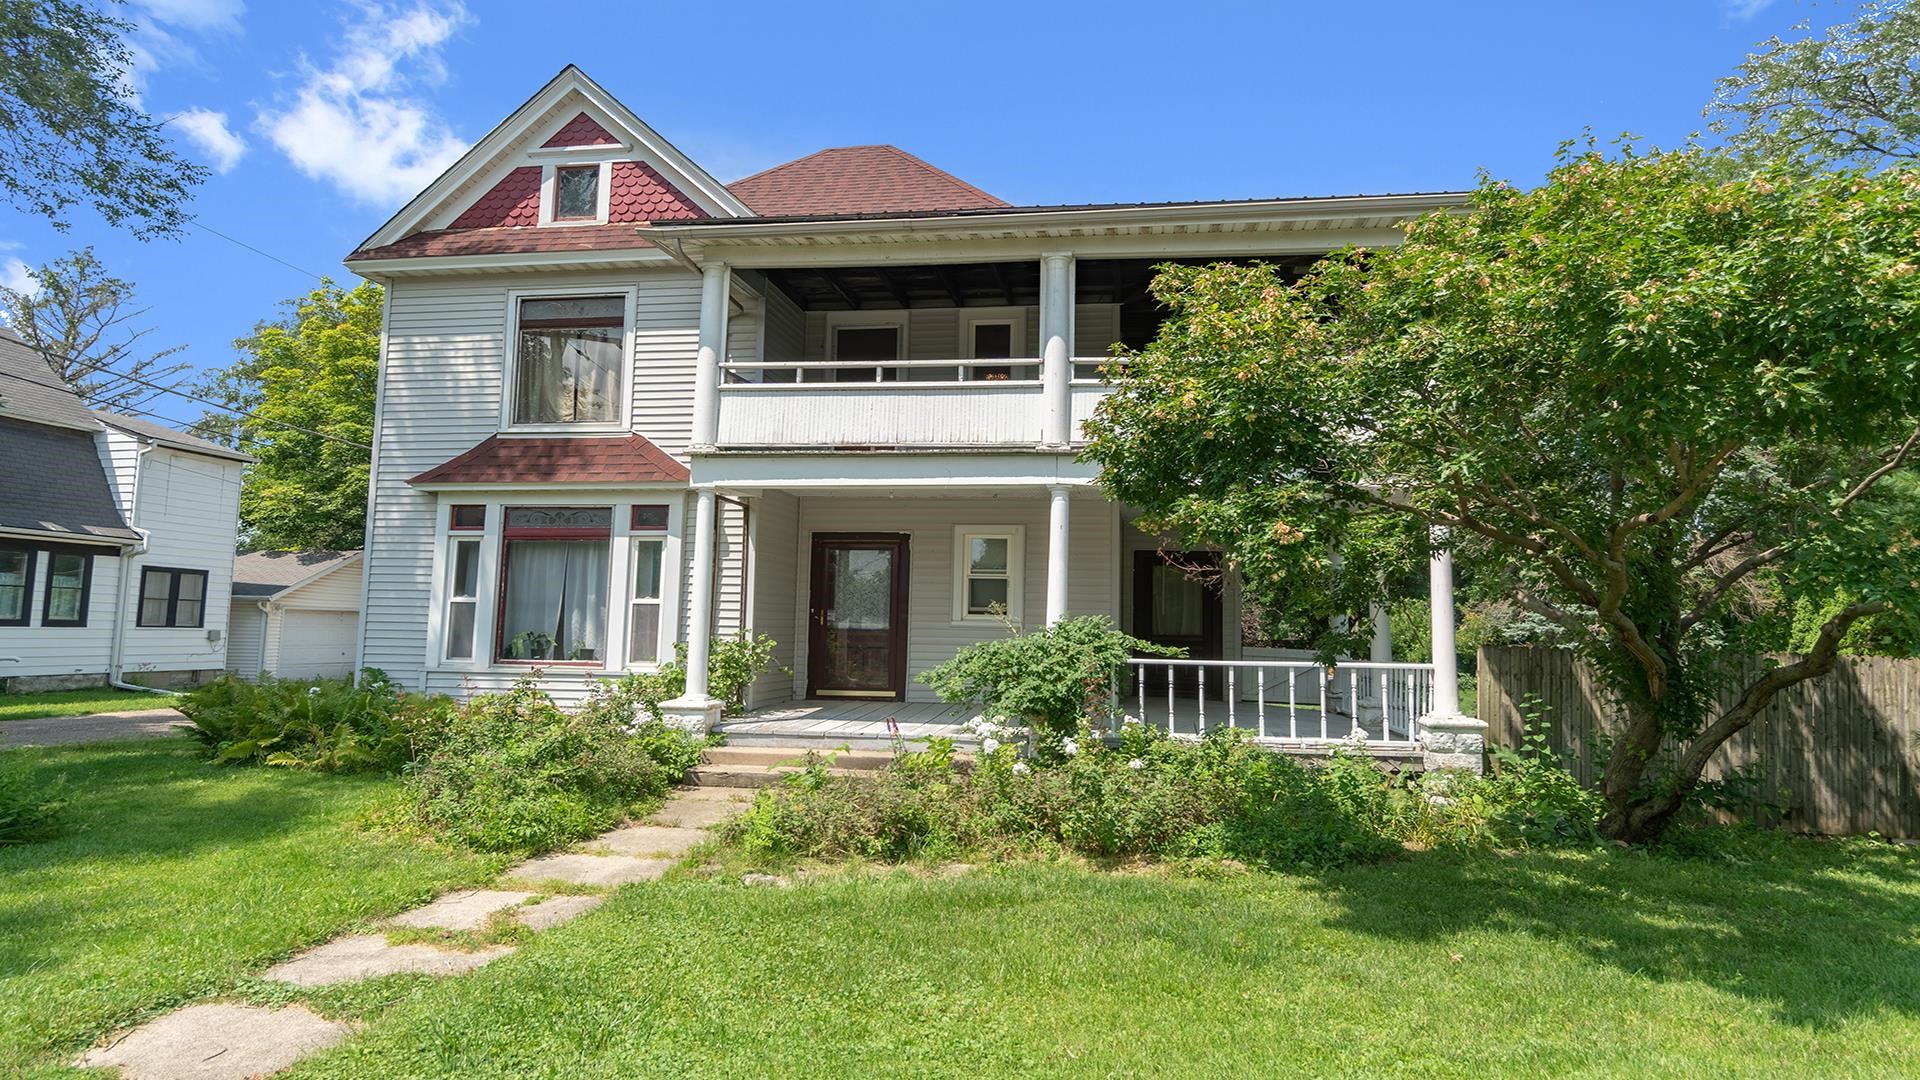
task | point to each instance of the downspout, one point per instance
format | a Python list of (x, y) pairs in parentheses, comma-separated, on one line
[(127, 556)]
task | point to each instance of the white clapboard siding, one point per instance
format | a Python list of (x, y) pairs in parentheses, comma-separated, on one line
[(246, 638), (442, 374), (786, 336), (190, 506), (883, 414), (1085, 397), (774, 579), (932, 635), (65, 650)]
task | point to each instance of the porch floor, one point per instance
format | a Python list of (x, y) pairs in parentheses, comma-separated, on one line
[(862, 725)]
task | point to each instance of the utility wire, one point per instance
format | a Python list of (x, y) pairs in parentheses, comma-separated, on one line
[(226, 408), (203, 227)]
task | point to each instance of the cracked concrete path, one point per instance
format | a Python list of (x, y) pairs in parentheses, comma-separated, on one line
[(217, 1042)]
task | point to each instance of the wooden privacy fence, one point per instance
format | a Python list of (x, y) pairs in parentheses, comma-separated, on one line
[(1841, 754)]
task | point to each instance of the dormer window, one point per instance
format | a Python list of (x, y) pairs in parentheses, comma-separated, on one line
[(576, 193)]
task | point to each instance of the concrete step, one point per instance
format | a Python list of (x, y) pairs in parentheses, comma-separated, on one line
[(759, 776)]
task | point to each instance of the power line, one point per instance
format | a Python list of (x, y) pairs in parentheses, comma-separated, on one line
[(198, 224), (226, 408)]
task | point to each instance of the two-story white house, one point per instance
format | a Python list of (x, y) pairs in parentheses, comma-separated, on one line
[(116, 540), (623, 404)]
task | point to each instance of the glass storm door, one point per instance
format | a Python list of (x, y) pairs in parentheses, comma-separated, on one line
[(857, 633), (1176, 601)]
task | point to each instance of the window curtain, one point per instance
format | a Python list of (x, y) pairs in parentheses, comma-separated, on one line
[(568, 376), (557, 598), (1178, 603)]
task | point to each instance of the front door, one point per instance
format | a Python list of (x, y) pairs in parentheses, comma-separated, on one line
[(1176, 601), (857, 624)]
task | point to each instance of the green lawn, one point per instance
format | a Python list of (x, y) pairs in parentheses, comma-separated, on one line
[(1802, 959), (183, 878), (77, 703)]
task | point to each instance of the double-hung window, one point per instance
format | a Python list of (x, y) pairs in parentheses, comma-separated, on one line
[(988, 576), (465, 524), (568, 363), (16, 583), (170, 597), (553, 596), (644, 602), (69, 579)]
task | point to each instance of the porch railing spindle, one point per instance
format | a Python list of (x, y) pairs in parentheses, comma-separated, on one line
[(1260, 697), (1232, 720), (1200, 724)]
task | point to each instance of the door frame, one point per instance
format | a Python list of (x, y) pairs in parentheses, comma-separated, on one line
[(818, 544), (1213, 613)]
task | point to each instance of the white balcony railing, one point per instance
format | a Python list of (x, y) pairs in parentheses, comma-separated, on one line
[(948, 403), (1295, 700)]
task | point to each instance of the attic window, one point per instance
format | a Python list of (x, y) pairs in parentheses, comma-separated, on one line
[(576, 193)]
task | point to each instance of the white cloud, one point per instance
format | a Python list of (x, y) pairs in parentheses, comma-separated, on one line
[(198, 15), (208, 130), (13, 275), (1742, 10), (356, 123)]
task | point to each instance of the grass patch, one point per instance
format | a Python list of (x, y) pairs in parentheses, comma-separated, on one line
[(181, 879), (1773, 957), (77, 703)]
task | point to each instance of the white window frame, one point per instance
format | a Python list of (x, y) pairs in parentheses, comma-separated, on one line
[(1015, 320), (452, 539), (868, 320), (510, 361), (663, 639), (549, 193), (496, 498), (1016, 538)]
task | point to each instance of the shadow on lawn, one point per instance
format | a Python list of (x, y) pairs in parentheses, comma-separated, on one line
[(1819, 932)]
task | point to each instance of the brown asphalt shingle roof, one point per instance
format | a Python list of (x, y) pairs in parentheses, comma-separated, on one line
[(566, 459), (265, 573), (858, 180)]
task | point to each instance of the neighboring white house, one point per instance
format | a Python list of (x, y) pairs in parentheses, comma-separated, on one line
[(95, 507), (838, 402), (296, 614)]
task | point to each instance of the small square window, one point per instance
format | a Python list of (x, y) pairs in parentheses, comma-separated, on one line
[(468, 516), (576, 193), (649, 518)]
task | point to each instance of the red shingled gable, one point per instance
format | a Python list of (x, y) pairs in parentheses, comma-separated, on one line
[(627, 459), (581, 131), (858, 180), (638, 193), (514, 201)]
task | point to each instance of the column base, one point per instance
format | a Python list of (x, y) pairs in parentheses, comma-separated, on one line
[(695, 715), (1453, 742)]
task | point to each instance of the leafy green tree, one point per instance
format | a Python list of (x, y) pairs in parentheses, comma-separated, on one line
[(1622, 395), (308, 380), (1848, 96), (71, 130)]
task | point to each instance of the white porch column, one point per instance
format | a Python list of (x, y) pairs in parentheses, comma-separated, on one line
[(714, 281), (1380, 650), (1057, 543), (1056, 346), (696, 710), (1449, 740)]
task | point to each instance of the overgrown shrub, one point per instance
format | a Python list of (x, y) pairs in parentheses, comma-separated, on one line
[(31, 809), (515, 772), (1048, 679), (325, 724)]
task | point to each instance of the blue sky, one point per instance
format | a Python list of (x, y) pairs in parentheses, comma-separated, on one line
[(323, 118)]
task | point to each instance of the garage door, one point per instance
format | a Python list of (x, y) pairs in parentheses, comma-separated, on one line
[(317, 644)]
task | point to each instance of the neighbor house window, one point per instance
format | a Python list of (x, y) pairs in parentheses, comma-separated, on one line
[(568, 365), (553, 597), (172, 597), (69, 575), (576, 193), (987, 572), (16, 584), (644, 605)]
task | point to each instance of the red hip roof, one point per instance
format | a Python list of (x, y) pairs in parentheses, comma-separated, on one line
[(563, 459)]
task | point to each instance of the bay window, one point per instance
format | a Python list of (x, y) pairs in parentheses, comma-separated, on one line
[(644, 602), (553, 594), (569, 364)]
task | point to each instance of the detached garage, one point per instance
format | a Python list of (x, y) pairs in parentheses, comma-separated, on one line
[(295, 614)]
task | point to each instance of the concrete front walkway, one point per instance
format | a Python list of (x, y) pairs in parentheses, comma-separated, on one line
[(99, 727), (227, 1041)]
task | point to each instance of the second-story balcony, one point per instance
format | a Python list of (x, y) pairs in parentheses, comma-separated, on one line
[(991, 356)]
